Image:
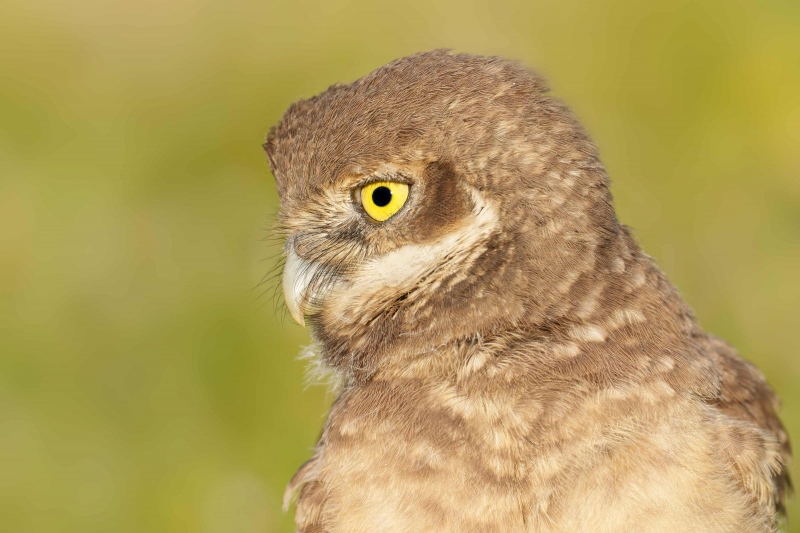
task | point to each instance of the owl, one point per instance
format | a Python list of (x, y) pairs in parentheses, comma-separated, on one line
[(510, 359)]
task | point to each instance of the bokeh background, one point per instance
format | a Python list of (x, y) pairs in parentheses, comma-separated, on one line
[(147, 383)]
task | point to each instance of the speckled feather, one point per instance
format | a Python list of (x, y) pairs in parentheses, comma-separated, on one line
[(510, 359)]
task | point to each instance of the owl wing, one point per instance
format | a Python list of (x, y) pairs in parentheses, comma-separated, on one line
[(308, 491), (745, 396)]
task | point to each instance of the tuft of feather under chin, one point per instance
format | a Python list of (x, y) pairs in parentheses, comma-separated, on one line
[(317, 372)]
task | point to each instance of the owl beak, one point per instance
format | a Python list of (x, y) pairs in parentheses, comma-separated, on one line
[(297, 276)]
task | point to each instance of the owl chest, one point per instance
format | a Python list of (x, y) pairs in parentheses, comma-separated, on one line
[(411, 470), (409, 465)]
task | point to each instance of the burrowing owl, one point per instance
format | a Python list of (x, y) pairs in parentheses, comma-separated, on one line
[(510, 359)]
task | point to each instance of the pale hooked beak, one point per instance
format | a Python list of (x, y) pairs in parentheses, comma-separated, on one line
[(297, 276)]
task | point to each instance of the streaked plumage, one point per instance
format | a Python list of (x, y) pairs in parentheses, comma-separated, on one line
[(510, 359)]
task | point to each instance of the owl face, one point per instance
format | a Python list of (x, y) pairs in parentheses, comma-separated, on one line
[(381, 246), (372, 238), (440, 197)]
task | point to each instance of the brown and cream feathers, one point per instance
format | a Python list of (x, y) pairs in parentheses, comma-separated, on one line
[(511, 360)]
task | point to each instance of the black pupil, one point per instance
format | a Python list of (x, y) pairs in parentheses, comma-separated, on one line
[(381, 196)]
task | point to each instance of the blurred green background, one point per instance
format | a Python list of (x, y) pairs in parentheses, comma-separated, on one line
[(146, 383)]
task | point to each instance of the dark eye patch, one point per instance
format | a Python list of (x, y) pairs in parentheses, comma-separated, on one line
[(441, 203), (381, 196)]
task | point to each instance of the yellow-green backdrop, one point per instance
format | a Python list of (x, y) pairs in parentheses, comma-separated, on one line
[(147, 385)]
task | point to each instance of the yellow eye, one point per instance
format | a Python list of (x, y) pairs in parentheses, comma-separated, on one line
[(382, 199)]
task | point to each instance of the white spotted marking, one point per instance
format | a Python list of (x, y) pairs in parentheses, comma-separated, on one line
[(588, 333)]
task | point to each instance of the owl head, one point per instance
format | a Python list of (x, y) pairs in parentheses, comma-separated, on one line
[(440, 198)]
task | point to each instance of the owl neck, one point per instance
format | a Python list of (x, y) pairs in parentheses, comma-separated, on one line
[(622, 302)]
